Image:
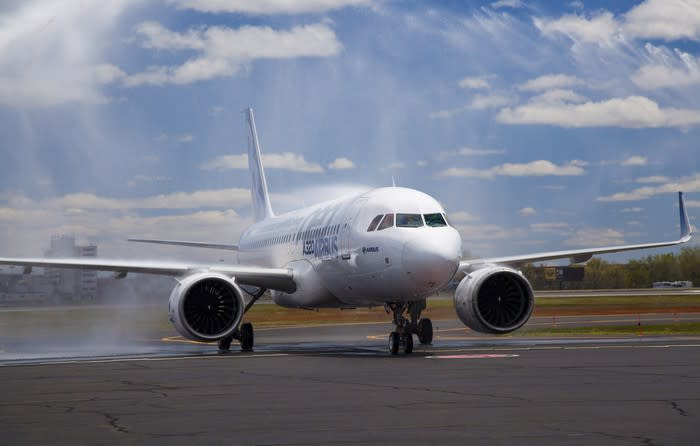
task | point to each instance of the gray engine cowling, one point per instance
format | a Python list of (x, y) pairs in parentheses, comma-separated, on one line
[(494, 300), (206, 307)]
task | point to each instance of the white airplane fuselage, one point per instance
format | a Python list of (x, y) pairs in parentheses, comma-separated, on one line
[(340, 261)]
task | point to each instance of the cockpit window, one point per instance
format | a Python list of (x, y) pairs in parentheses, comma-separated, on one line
[(434, 220), (409, 220), (375, 221), (388, 222)]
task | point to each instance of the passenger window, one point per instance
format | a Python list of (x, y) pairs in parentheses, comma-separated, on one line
[(388, 222), (409, 220), (375, 221)]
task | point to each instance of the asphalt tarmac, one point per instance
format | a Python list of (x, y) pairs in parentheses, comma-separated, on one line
[(337, 385)]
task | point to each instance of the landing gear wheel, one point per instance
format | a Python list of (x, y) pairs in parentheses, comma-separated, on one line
[(407, 343), (425, 331), (225, 344), (394, 343), (247, 337)]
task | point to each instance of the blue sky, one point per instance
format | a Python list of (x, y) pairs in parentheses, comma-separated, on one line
[(539, 125)]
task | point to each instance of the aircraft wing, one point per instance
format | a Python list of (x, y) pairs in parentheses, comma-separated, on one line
[(582, 255), (188, 244), (272, 278)]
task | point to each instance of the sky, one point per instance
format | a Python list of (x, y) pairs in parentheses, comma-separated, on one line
[(538, 125)]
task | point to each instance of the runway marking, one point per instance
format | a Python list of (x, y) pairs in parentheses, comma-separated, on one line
[(182, 340), (575, 347), (475, 356)]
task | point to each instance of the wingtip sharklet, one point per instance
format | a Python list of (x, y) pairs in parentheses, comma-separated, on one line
[(686, 228)]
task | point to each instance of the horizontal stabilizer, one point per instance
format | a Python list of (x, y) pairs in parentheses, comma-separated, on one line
[(188, 244)]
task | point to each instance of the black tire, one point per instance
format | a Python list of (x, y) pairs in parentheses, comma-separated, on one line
[(425, 331), (225, 344), (394, 343), (247, 337), (408, 343)]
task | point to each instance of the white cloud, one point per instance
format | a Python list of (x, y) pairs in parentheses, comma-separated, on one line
[(461, 217), (341, 163), (632, 210), (50, 52), (532, 169), (601, 28), (527, 212), (675, 69), (556, 227), (652, 19), (477, 82), (285, 160), (629, 112), (549, 82), (469, 151), (664, 19), (268, 6), (507, 4), (686, 184), (397, 165), (652, 179), (596, 237), (482, 102), (693, 203), (635, 161), (221, 51), (135, 180), (185, 138), (215, 198)]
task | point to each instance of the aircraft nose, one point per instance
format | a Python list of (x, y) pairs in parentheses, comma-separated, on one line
[(431, 258)]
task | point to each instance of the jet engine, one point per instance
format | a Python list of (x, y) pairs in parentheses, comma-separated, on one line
[(206, 307), (494, 300)]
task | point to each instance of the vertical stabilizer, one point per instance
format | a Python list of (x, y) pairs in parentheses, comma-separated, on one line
[(258, 190), (686, 229)]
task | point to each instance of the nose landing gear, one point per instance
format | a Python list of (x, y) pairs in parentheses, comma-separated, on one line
[(402, 338)]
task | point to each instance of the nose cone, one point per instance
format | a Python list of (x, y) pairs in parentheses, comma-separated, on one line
[(431, 258)]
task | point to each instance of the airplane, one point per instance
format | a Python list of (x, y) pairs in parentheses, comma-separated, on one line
[(390, 246)]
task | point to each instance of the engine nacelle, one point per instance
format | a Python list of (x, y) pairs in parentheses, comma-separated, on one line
[(494, 300), (206, 307)]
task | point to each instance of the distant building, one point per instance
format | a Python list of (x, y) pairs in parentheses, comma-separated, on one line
[(68, 284), (21, 289)]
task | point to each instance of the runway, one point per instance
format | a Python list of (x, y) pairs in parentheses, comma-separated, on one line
[(337, 385)]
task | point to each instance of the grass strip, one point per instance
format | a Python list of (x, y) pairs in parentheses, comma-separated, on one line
[(677, 328)]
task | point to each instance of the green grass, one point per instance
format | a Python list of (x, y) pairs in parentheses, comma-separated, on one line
[(628, 301), (135, 320), (678, 328)]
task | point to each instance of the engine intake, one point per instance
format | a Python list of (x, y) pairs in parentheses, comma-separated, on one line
[(206, 307), (495, 300)]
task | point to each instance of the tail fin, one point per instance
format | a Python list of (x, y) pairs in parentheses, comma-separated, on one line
[(258, 191), (686, 229)]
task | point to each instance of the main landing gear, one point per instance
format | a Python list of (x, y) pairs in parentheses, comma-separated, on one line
[(402, 338), (244, 334)]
